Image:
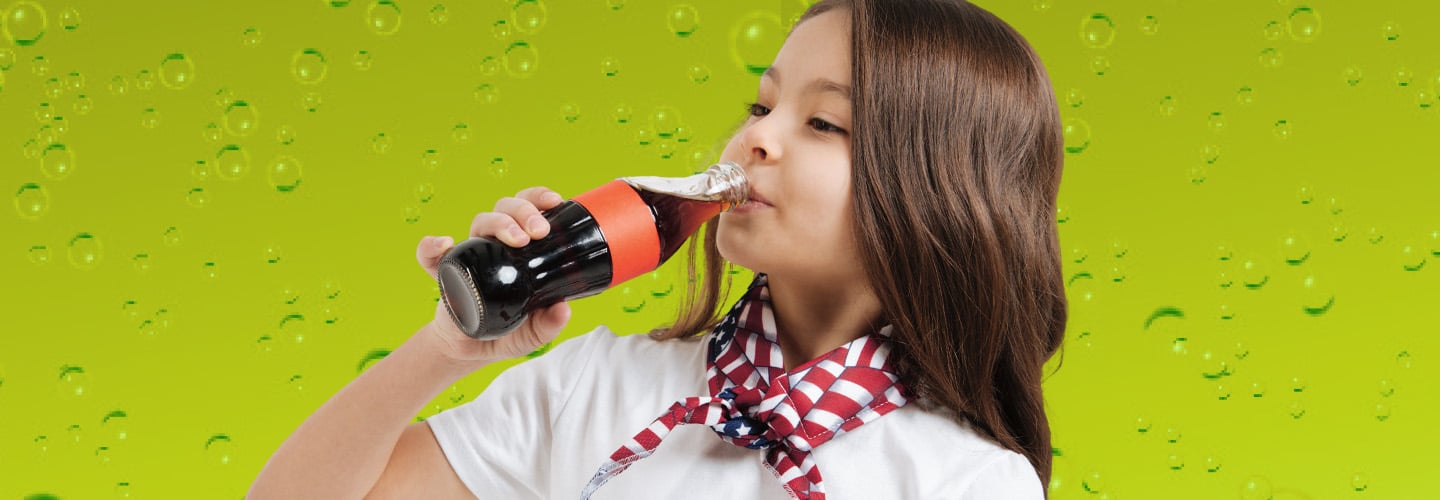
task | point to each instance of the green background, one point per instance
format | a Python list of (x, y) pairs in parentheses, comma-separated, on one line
[(1197, 227)]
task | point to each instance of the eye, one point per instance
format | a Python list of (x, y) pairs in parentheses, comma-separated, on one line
[(755, 109)]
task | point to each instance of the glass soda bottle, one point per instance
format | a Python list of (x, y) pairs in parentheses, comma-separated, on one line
[(598, 239)]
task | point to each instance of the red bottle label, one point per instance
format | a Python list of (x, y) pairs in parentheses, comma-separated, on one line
[(628, 226)]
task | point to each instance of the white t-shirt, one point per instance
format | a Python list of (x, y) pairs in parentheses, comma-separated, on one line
[(543, 428)]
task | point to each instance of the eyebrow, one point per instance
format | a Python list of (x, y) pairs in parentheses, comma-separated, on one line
[(816, 85)]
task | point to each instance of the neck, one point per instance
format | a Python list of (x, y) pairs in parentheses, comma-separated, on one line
[(816, 317)]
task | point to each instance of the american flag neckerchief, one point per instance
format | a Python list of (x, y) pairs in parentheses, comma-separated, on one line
[(754, 403)]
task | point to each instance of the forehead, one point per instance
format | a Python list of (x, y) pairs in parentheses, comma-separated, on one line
[(818, 48)]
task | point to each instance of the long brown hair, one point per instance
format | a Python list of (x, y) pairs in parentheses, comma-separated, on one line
[(956, 161)]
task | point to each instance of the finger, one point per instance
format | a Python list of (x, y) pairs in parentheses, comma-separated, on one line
[(431, 250), (526, 214), (543, 197), (501, 226)]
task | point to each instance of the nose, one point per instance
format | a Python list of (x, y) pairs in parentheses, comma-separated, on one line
[(760, 141)]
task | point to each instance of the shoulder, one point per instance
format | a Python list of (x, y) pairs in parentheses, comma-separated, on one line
[(968, 462)]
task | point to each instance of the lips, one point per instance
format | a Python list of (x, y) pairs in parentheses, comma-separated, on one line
[(756, 197)]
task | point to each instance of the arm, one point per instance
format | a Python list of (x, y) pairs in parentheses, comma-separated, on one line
[(365, 430)]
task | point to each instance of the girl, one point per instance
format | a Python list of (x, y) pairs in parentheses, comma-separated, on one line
[(904, 159)]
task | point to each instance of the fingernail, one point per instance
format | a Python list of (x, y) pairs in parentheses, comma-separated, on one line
[(448, 241), (552, 197), (535, 223)]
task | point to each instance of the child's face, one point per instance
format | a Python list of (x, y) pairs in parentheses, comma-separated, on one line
[(798, 163)]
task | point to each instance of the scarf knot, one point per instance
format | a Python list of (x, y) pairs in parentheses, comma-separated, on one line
[(756, 404)]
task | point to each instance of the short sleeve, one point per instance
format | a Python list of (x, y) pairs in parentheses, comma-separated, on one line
[(1010, 477), (499, 443)]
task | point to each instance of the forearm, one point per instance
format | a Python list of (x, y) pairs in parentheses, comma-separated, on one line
[(341, 450)]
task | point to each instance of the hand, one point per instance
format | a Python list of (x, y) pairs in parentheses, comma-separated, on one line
[(515, 221)]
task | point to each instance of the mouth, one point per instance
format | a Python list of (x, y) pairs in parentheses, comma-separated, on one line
[(756, 198)]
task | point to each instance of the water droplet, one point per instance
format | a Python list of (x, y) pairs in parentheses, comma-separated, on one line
[(683, 20), (1097, 31), (232, 162), (176, 71), (383, 17), (284, 173), (308, 66), (32, 201), (24, 23), (521, 59)]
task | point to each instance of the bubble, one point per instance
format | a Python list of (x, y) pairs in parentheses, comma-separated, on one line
[(1359, 482), (1212, 464), (1172, 435), (1257, 390), (171, 236), (85, 251), (1295, 248), (196, 197), (272, 254), (1412, 257), (412, 215), (308, 66), (310, 102), (24, 23), (609, 66), (1222, 391), (362, 60), (1296, 409), (683, 20), (115, 425), (665, 120), (1149, 25), (1382, 411), (755, 39), (430, 159), (1210, 153), (1075, 98), (57, 161), (644, 136), (501, 29), (284, 173), (145, 80), (1271, 57), (1253, 275), (176, 71), (285, 135), (7, 58), (232, 162), (70, 19), (1353, 75), (1404, 359), (615, 4), (150, 118), (1175, 462), (370, 358), (528, 16), (337, 3), (1390, 31), (296, 382), (489, 66), (1167, 106), (1077, 135), (40, 66), (141, 262), (241, 119), (32, 201), (75, 432), (438, 15), (487, 94), (498, 167), (570, 112), (383, 17), (219, 449), (460, 132), (292, 327), (380, 143), (73, 381), (1282, 129), (621, 113), (200, 170), (699, 73), (1274, 30), (631, 301), (38, 254), (1303, 24), (1097, 31), (521, 60), (1099, 65), (224, 97), (424, 192), (251, 37), (1374, 236)]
